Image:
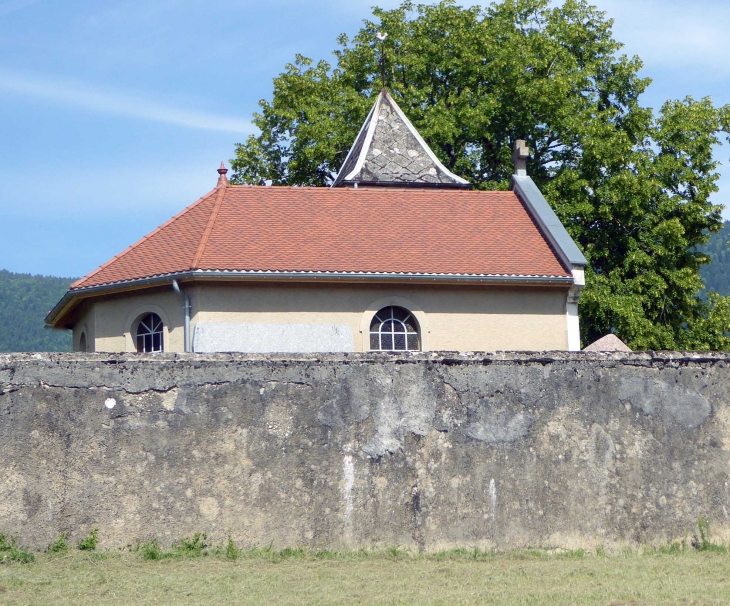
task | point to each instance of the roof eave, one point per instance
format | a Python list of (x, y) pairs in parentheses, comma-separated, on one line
[(69, 301)]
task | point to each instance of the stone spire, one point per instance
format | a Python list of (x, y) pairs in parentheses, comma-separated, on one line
[(389, 151)]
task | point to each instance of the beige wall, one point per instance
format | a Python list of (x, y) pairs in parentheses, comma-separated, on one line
[(452, 317), (84, 324), (111, 320)]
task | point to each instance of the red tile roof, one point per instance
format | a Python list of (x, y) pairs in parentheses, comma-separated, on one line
[(318, 229)]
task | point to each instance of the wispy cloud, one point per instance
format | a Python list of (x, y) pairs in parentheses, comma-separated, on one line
[(82, 96), (673, 34), (10, 6)]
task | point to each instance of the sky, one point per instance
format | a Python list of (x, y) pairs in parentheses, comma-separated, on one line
[(115, 114)]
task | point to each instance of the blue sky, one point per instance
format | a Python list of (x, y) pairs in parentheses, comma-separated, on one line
[(114, 114)]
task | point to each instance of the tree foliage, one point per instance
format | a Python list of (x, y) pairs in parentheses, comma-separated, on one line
[(632, 186), (24, 302)]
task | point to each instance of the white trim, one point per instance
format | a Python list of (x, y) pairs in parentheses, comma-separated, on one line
[(374, 116), (134, 318), (354, 145), (571, 308), (415, 309)]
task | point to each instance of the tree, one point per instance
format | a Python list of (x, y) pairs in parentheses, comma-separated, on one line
[(633, 188)]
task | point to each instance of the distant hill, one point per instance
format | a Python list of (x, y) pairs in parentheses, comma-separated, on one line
[(24, 302), (716, 275)]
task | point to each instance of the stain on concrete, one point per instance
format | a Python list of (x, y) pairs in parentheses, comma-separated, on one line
[(500, 427), (673, 403)]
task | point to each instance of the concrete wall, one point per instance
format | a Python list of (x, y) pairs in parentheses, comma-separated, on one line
[(429, 451), (452, 318)]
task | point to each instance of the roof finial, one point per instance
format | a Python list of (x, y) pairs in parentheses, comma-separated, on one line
[(382, 36), (519, 157), (222, 180)]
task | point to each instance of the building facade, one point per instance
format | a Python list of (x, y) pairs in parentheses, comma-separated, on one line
[(398, 255)]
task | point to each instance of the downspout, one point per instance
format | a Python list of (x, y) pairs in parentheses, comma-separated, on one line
[(186, 307)]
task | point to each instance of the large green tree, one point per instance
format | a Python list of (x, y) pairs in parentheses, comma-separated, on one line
[(632, 186)]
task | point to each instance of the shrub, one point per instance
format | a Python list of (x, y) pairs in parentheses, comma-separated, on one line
[(194, 547), (232, 552), (703, 542), (59, 545), (151, 550), (89, 543), (10, 552)]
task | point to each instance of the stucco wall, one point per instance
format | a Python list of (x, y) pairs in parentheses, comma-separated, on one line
[(84, 325), (461, 318), (429, 451), (111, 320)]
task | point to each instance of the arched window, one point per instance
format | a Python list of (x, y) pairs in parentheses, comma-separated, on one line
[(82, 342), (149, 334), (394, 329)]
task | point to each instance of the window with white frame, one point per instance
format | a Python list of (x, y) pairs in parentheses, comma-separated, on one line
[(149, 335), (394, 329)]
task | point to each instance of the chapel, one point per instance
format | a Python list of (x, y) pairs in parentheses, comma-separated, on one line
[(399, 254)]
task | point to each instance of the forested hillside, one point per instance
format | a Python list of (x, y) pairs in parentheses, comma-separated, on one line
[(24, 302), (717, 275)]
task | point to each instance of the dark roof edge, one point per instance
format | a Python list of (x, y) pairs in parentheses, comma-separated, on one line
[(548, 221), (63, 306)]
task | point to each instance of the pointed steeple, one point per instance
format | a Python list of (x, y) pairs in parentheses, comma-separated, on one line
[(389, 151)]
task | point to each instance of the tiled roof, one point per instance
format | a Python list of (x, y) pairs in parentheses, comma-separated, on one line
[(319, 229)]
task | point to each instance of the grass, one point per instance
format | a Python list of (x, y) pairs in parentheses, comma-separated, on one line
[(191, 573)]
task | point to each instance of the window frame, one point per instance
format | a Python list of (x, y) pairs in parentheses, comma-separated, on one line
[(155, 333), (412, 305), (387, 316), (133, 319)]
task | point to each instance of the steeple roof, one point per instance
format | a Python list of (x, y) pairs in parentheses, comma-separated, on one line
[(389, 151)]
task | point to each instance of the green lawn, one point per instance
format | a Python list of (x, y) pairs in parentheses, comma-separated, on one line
[(78, 577)]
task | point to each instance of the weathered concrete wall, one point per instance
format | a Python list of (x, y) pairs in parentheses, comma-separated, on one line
[(426, 450)]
